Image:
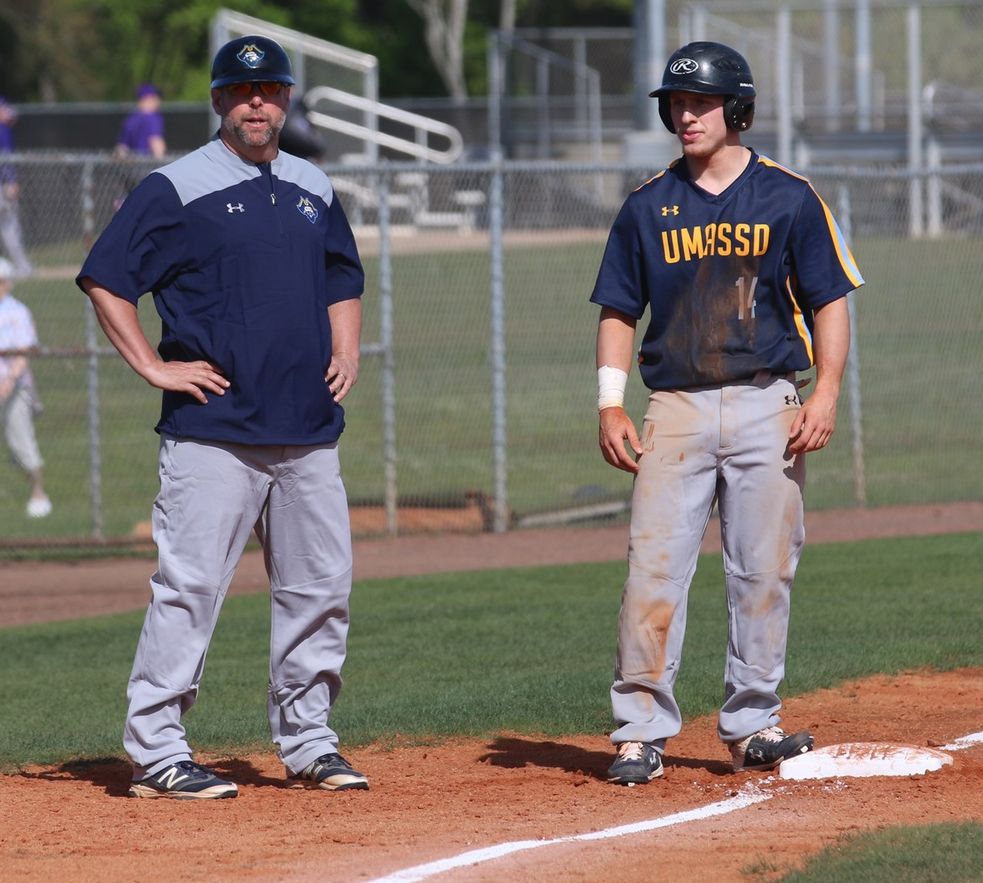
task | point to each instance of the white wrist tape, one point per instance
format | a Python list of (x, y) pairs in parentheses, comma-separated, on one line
[(611, 383)]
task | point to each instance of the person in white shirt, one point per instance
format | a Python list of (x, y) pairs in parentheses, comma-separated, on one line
[(18, 398)]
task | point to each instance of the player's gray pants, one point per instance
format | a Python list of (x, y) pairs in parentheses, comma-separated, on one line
[(726, 444), (211, 496)]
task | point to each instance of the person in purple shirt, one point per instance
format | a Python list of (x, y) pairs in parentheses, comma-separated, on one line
[(142, 131), (10, 229)]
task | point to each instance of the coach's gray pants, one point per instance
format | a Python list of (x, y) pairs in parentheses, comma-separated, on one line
[(726, 444), (211, 497)]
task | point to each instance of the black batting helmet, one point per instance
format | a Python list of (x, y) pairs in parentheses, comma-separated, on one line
[(713, 69), (251, 59)]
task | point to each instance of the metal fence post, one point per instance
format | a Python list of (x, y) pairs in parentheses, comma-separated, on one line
[(853, 370), (916, 224), (496, 89), (496, 224), (388, 357), (92, 372), (783, 84)]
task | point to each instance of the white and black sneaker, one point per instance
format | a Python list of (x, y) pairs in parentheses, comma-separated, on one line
[(332, 773), (767, 748), (636, 764), (184, 780)]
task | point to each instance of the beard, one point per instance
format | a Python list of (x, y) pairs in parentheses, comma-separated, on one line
[(253, 137)]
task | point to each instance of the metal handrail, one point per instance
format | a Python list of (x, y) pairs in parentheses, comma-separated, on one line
[(341, 55), (420, 124), (587, 101)]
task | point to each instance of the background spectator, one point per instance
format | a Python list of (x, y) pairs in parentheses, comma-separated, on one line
[(18, 399), (143, 130), (10, 229)]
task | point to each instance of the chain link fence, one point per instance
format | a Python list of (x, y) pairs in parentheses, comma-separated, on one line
[(827, 69), (476, 405)]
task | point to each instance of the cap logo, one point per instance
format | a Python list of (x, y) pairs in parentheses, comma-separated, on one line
[(251, 55), (683, 66)]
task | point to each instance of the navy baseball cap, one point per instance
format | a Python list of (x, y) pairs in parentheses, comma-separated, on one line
[(251, 59)]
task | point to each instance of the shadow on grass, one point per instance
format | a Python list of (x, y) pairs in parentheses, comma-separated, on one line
[(515, 753)]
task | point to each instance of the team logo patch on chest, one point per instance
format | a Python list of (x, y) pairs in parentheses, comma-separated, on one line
[(307, 209)]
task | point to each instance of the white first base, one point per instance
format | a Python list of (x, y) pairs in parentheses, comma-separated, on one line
[(852, 759)]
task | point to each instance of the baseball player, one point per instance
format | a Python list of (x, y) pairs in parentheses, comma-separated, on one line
[(744, 273), (257, 280)]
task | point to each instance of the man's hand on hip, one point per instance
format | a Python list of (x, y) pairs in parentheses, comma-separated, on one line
[(193, 378)]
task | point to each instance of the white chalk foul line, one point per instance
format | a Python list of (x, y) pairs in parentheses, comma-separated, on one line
[(963, 742), (746, 797)]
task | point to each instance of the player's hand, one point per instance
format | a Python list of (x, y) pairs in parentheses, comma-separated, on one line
[(193, 378), (814, 424), (341, 375), (616, 429)]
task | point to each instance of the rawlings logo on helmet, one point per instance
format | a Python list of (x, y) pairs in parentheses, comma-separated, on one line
[(683, 66), (251, 55)]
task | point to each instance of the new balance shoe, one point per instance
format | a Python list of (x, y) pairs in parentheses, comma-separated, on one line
[(636, 764), (767, 748), (184, 780), (332, 773)]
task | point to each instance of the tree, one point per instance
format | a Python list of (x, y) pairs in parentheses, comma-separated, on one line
[(444, 22)]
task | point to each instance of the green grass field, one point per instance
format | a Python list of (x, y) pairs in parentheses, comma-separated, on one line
[(530, 651), (947, 853), (920, 320)]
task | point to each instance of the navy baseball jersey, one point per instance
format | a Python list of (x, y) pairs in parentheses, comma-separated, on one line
[(731, 280), (243, 260)]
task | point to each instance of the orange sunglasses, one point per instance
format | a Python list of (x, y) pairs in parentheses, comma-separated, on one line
[(266, 87)]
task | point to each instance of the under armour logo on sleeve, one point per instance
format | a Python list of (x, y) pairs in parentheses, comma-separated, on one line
[(238, 207)]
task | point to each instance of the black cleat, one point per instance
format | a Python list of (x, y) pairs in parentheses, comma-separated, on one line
[(332, 773), (184, 780), (636, 764), (767, 748)]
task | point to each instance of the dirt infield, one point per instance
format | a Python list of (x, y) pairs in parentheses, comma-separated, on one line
[(435, 802)]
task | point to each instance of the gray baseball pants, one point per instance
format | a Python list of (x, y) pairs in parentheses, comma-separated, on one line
[(725, 444), (211, 498)]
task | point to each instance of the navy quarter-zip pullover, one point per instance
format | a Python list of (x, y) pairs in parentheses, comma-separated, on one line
[(243, 260)]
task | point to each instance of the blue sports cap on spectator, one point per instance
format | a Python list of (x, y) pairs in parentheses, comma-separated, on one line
[(146, 89)]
